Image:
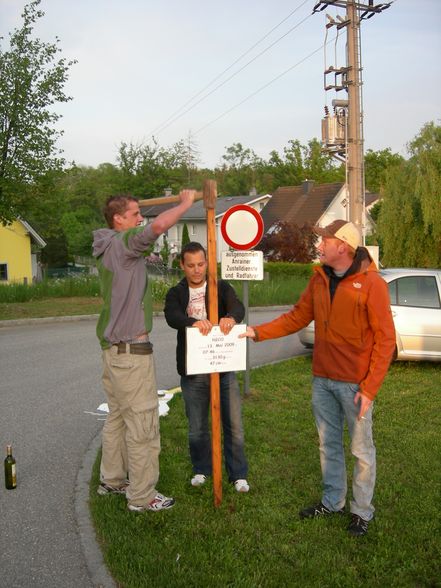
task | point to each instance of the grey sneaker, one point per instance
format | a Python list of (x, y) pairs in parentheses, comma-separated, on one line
[(160, 502), (318, 510), (104, 489)]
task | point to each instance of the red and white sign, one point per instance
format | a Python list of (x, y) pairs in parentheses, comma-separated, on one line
[(242, 227)]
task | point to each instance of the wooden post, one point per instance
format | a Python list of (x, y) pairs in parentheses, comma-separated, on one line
[(166, 200), (210, 195)]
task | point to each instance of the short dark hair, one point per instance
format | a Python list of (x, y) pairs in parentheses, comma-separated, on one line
[(117, 204), (192, 247)]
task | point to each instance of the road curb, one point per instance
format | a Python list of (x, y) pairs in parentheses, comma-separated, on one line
[(86, 317), (93, 556), (47, 319)]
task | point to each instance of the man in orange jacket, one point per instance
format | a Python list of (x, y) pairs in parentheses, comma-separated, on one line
[(353, 346)]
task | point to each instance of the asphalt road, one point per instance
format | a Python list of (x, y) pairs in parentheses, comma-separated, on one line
[(49, 389)]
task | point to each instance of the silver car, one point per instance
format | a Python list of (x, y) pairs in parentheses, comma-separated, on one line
[(415, 298)]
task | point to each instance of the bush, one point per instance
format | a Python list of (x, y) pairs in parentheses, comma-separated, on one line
[(285, 268)]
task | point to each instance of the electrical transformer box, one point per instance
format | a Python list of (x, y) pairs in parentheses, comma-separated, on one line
[(334, 130)]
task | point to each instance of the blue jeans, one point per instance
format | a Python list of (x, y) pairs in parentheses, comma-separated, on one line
[(196, 393), (332, 402)]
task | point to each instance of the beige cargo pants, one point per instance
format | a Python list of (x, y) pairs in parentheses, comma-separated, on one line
[(130, 439)]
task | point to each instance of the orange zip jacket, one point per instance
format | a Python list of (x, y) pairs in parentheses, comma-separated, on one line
[(354, 335)]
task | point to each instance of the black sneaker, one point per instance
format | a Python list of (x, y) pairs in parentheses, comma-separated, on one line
[(318, 510), (358, 526)]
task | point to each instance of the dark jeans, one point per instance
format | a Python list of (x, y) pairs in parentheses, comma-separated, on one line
[(196, 392)]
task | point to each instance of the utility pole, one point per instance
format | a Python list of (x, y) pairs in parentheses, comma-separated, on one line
[(347, 144), (355, 123)]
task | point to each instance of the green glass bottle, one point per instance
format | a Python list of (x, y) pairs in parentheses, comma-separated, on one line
[(10, 469)]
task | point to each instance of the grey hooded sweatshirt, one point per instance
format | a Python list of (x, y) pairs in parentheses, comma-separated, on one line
[(127, 309)]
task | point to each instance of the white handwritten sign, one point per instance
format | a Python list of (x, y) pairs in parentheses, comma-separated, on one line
[(215, 352)]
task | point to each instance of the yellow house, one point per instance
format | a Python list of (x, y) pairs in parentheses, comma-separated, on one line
[(17, 262)]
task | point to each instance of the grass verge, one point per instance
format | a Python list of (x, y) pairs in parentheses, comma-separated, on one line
[(72, 296), (256, 539), (73, 306)]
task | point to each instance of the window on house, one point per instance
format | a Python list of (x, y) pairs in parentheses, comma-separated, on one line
[(3, 272), (192, 230)]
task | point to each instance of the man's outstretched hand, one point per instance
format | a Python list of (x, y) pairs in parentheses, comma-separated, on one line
[(248, 333)]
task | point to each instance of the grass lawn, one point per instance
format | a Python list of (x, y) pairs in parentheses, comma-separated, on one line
[(70, 296), (256, 539), (69, 306)]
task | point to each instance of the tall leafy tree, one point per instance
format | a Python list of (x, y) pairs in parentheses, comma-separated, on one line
[(31, 82), (409, 223), (297, 163), (66, 206), (376, 164), (149, 168), (185, 236), (47, 205), (84, 191), (237, 175), (320, 166)]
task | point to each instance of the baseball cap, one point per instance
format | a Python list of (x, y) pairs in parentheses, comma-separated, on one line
[(343, 230)]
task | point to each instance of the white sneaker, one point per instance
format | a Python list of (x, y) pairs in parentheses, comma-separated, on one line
[(241, 485), (198, 480), (160, 502)]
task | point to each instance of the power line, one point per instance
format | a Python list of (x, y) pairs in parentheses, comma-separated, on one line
[(233, 75), (261, 88), (175, 116), (227, 69)]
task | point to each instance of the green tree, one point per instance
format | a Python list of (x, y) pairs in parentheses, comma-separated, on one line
[(320, 166), (66, 206), (297, 163), (376, 164), (409, 223), (148, 169), (46, 207), (31, 82), (375, 211), (78, 226), (185, 236), (238, 173)]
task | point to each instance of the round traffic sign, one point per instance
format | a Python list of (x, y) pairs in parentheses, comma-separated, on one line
[(242, 227)]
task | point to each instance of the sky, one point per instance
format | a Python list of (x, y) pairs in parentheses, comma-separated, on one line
[(239, 71)]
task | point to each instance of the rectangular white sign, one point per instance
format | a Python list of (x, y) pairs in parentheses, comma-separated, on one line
[(242, 265), (215, 352)]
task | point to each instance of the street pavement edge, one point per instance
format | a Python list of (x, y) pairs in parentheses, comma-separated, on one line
[(85, 317), (93, 556)]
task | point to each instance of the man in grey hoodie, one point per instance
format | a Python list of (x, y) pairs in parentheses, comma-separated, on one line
[(131, 441)]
